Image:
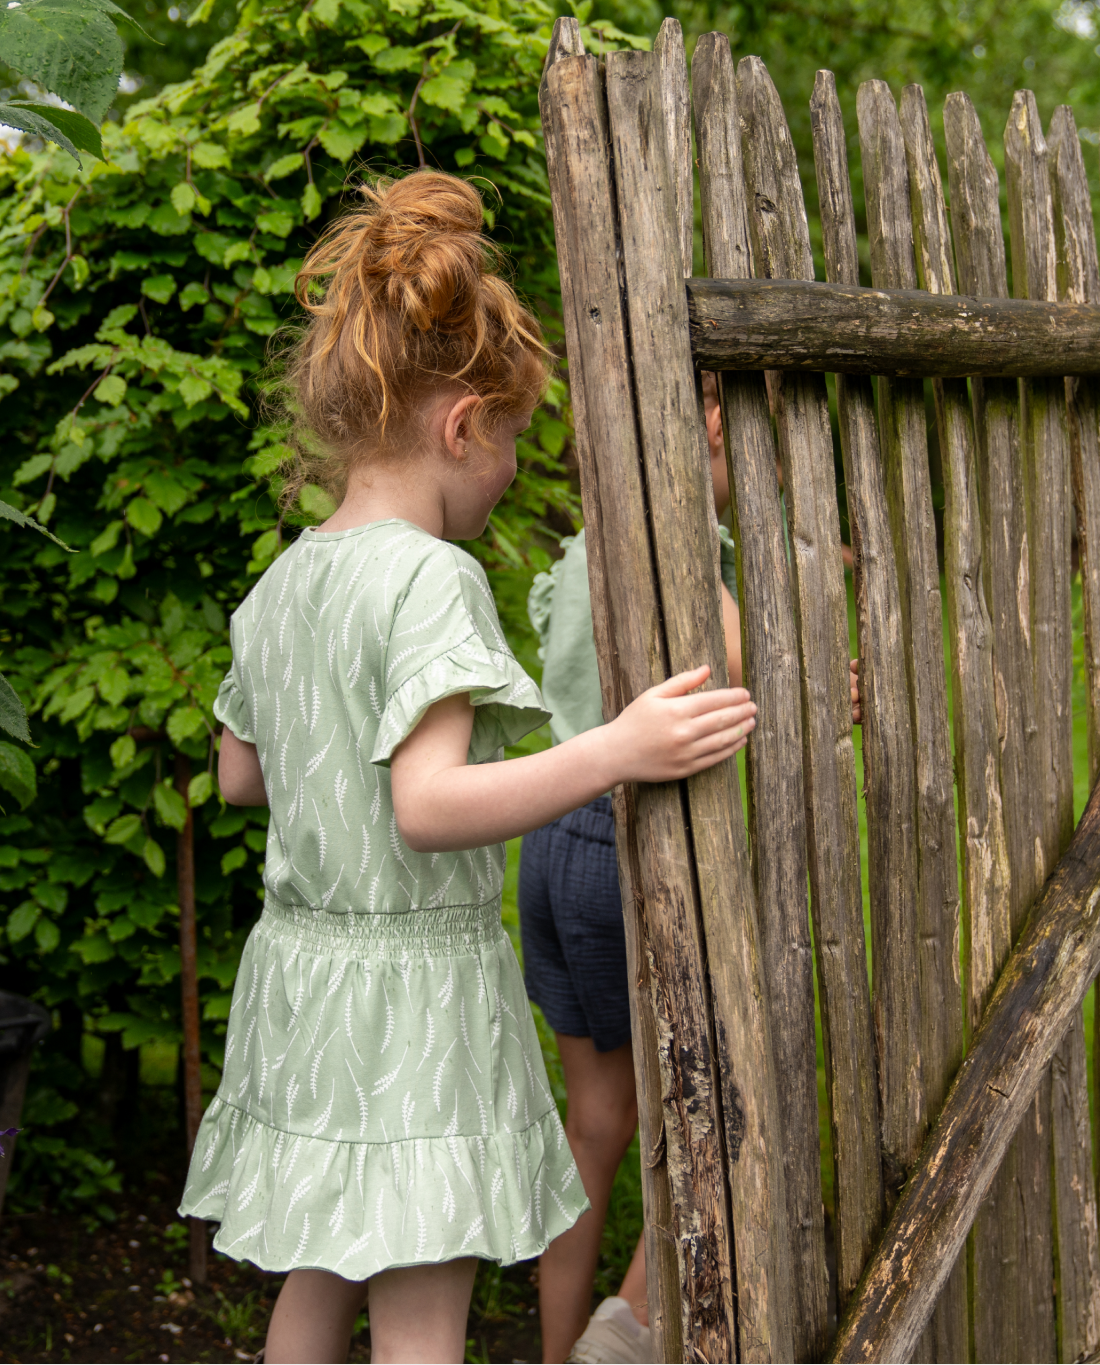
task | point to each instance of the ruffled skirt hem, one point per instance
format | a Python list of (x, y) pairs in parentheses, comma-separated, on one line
[(288, 1201)]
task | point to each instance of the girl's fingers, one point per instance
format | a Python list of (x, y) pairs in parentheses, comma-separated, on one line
[(713, 722), (706, 703), (683, 683)]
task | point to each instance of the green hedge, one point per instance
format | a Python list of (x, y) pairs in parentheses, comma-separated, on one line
[(136, 302)]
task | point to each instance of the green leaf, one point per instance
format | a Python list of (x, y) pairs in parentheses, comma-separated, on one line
[(191, 294), (123, 750), (21, 519), (294, 161), (193, 390), (76, 704), (278, 224), (169, 805), (80, 131), (158, 287), (13, 716), (311, 202), (17, 774), (66, 46), (236, 857), (47, 935), (200, 789), (209, 156), (184, 722), (144, 516), (184, 197), (122, 830), (22, 920), (111, 390), (106, 540), (154, 857), (245, 121), (27, 119)]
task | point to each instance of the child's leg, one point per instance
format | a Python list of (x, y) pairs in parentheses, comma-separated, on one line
[(633, 1287), (600, 1121), (313, 1318), (419, 1313)]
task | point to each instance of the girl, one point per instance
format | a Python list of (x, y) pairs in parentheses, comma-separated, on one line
[(384, 1117)]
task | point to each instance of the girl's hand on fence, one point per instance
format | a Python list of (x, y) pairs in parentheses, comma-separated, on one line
[(853, 683), (673, 731)]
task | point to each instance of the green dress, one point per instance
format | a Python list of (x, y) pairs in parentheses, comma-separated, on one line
[(384, 1100)]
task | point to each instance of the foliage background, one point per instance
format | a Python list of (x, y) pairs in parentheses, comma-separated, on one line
[(137, 299)]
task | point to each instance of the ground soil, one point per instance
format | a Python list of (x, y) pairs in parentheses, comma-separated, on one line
[(72, 1289)]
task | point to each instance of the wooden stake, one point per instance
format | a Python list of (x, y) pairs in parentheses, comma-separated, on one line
[(189, 998), (684, 528), (1045, 444), (635, 657), (1036, 999), (986, 874), (781, 250), (1010, 1252), (770, 670)]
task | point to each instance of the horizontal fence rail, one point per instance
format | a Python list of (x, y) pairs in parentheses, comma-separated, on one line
[(807, 325)]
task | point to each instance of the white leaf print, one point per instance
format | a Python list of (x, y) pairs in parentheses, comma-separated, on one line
[(299, 1250), (295, 1149), (513, 1097), (252, 988), (263, 1068), (331, 652), (246, 1195), (298, 1193), (448, 987), (395, 1159), (466, 1033), (438, 1081), (336, 1220), (322, 838), (302, 700), (326, 1114), (249, 1232), (421, 1233), (265, 999), (222, 1187), (389, 1021), (264, 655), (525, 1221), (376, 804), (429, 1040), (405, 968), (316, 711), (395, 843), (332, 889), (379, 1225), (347, 1027), (571, 1174), (210, 1153), (290, 662), (451, 1129), (384, 1082), (364, 862), (372, 693), (360, 1162), (408, 1104), (358, 1245), (495, 1187), (538, 1202), (449, 1206), (317, 759), (473, 1231), (557, 1200), (292, 1088), (316, 1067), (480, 1106), (282, 753), (361, 1098), (277, 1151), (341, 786), (334, 984)]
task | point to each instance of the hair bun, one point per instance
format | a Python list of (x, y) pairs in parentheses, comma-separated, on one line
[(424, 240)]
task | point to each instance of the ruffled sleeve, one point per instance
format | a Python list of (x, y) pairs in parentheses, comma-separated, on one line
[(467, 653), (232, 709)]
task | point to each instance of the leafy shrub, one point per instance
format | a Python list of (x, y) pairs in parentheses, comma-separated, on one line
[(137, 297)]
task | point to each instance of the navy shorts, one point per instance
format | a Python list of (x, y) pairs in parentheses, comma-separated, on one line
[(571, 923)]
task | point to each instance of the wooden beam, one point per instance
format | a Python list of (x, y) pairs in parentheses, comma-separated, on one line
[(1036, 999), (777, 819), (805, 325)]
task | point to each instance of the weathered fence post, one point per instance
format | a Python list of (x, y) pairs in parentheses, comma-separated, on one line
[(1046, 459), (774, 758), (781, 250)]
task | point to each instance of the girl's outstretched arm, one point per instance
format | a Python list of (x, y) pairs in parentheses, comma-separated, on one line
[(443, 804), (240, 777)]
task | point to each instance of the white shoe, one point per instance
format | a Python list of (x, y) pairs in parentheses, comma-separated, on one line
[(614, 1336)]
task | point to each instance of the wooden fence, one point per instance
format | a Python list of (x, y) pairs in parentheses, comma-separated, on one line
[(965, 1205)]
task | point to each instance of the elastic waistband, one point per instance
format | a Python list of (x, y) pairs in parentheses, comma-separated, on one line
[(594, 822), (452, 928)]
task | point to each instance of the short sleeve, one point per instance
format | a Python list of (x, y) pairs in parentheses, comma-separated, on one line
[(541, 597), (232, 709), (445, 640), (727, 549)]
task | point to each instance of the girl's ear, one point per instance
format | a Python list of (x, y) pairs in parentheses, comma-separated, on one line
[(457, 427)]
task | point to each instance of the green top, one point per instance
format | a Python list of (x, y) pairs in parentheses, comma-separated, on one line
[(560, 609), (338, 651)]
